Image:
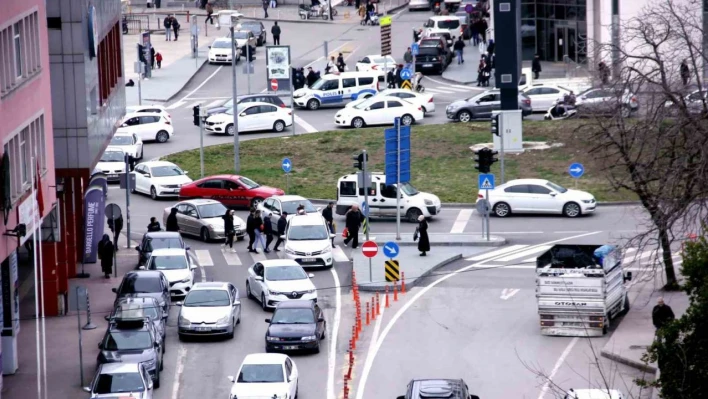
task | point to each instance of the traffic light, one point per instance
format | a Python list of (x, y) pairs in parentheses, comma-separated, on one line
[(495, 124), (359, 164), (481, 159), (195, 115)]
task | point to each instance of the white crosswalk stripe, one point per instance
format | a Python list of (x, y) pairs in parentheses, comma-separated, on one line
[(203, 257), (438, 91), (498, 252), (523, 254), (339, 255), (258, 257), (231, 258)]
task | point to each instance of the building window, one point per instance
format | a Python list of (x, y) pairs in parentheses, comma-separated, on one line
[(17, 40), (109, 63), (20, 57), (29, 142)]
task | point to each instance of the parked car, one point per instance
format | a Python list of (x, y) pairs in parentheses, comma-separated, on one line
[(295, 325), (147, 126), (379, 111), (248, 98), (376, 63), (149, 307), (606, 101), (203, 218), (158, 240), (278, 280), (145, 283), (210, 308), (482, 105), (220, 51), (115, 380), (258, 30), (159, 179), (252, 117), (231, 190), (441, 33), (265, 375), (177, 265), (112, 163), (543, 95), (278, 204), (129, 143), (149, 109), (432, 57)]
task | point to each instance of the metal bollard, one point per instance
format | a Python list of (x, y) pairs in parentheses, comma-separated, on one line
[(89, 325)]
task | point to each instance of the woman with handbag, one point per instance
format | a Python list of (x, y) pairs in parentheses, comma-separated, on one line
[(422, 233)]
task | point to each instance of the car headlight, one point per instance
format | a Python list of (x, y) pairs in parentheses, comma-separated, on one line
[(222, 321), (309, 338), (184, 280), (183, 321), (289, 251), (273, 339), (271, 292), (434, 58), (327, 249), (588, 201), (312, 291), (298, 95), (428, 202)]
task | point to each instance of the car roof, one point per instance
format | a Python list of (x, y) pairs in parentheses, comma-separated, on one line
[(265, 358), (169, 252), (143, 274), (152, 164), (211, 285), (526, 181), (308, 219), (288, 198), (123, 134), (350, 74), (132, 114), (377, 56), (163, 234), (439, 387), (223, 39), (443, 17), (229, 177), (197, 201), (162, 107), (254, 103), (278, 262), (241, 97), (296, 304), (118, 368)]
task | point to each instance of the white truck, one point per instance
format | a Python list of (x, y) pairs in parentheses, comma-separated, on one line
[(580, 289)]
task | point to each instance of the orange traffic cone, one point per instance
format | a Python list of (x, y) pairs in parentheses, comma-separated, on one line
[(395, 292), (378, 304), (386, 305), (403, 283), (373, 308), (367, 314)]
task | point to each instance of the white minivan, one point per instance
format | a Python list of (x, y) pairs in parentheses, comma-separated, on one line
[(449, 23), (382, 198), (337, 89)]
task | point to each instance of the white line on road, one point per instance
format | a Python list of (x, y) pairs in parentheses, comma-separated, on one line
[(461, 222), (558, 365), (339, 255), (194, 104), (508, 293), (176, 105), (498, 252), (308, 128), (203, 257), (232, 258), (258, 257), (570, 232), (438, 91), (333, 336), (537, 249), (201, 85), (181, 356), (371, 354)]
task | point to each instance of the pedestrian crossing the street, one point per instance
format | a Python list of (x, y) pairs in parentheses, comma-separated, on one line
[(223, 256)]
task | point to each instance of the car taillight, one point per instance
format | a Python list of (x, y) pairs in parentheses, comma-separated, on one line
[(282, 105), (290, 112), (527, 102), (375, 67), (431, 99), (420, 108)]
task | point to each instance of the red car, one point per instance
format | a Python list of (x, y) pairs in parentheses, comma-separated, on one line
[(230, 190)]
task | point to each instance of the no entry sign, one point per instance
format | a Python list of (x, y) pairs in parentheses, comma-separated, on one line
[(274, 84), (370, 249)]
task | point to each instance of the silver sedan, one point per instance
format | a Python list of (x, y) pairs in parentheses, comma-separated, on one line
[(212, 308), (203, 218)]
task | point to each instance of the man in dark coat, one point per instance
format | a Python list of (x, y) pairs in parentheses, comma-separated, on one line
[(171, 224), (329, 218), (268, 230), (536, 66), (105, 252), (282, 224), (251, 229), (275, 31), (353, 222), (311, 77), (662, 314), (685, 73), (423, 239), (154, 225), (116, 226)]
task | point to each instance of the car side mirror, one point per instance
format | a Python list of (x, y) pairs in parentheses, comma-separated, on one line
[(553, 194), (137, 248), (583, 98), (192, 266), (282, 237), (332, 236), (310, 275), (100, 345), (106, 317), (628, 276), (141, 268), (259, 278), (368, 109), (267, 320), (231, 378), (148, 175), (87, 389), (242, 114), (114, 290)]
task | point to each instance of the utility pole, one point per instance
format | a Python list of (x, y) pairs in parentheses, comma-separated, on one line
[(127, 198), (202, 119), (237, 150), (366, 195)]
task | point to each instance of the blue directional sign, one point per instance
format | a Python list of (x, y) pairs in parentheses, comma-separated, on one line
[(486, 181), (406, 74), (287, 165), (365, 208), (390, 249), (576, 170), (415, 48), (391, 138)]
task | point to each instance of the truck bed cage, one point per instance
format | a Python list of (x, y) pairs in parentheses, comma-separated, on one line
[(576, 259)]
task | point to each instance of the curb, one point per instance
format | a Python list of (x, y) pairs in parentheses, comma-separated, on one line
[(413, 282), (182, 86), (646, 367)]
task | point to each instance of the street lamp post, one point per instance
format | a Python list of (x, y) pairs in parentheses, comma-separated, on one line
[(237, 157)]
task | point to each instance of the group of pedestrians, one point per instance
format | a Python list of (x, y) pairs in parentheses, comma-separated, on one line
[(486, 65), (337, 64), (171, 25), (478, 31)]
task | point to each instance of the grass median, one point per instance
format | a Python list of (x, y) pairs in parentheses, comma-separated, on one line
[(441, 160)]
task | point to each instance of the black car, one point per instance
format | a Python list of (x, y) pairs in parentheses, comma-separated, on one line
[(437, 388), (158, 240), (149, 307), (133, 340), (145, 283), (296, 325), (258, 30), (250, 98), (431, 59)]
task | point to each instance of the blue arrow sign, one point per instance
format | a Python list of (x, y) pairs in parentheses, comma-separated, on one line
[(576, 170), (287, 165), (390, 249), (415, 49), (365, 208), (406, 74), (486, 182)]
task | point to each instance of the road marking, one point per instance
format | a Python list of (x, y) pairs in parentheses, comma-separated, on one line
[(333, 336), (497, 252), (570, 232), (176, 105), (456, 89), (463, 86), (488, 266), (427, 89), (461, 222), (339, 255), (371, 354), (557, 367), (508, 293), (308, 128), (202, 84), (207, 98), (232, 258), (528, 252), (181, 355), (203, 257), (258, 257)]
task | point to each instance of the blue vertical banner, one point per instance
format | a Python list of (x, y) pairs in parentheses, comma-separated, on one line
[(94, 205)]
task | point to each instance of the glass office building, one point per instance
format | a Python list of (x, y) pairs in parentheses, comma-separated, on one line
[(555, 29)]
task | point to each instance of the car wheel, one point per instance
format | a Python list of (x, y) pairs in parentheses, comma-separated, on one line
[(313, 104), (249, 294), (204, 234), (162, 361), (413, 214), (264, 304), (230, 129), (233, 329), (571, 210), (153, 193), (278, 126), (464, 116), (407, 120), (502, 210), (238, 321), (162, 136), (156, 384), (296, 391), (358, 123), (256, 201)]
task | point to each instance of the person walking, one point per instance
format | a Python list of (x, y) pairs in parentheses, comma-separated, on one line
[(105, 252), (329, 218), (152, 57), (311, 77), (268, 230), (685, 73), (536, 66), (408, 57), (251, 229), (474, 32), (116, 225), (175, 27), (210, 14), (480, 72), (167, 23), (331, 65), (171, 224), (273, 3), (265, 8), (604, 72), (423, 239), (229, 230), (487, 72), (662, 314), (275, 31), (458, 46), (158, 58), (154, 225), (483, 26), (341, 65), (282, 224), (353, 222), (259, 228)]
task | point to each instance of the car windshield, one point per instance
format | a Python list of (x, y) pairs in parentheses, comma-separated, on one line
[(127, 340), (121, 140), (211, 211), (112, 156), (308, 232), (241, 35), (221, 44), (318, 84), (449, 24), (291, 207), (166, 171), (250, 184), (162, 242), (255, 373), (134, 285), (365, 104), (207, 298), (293, 316), (284, 273), (255, 28), (168, 262), (118, 383), (556, 187), (409, 190)]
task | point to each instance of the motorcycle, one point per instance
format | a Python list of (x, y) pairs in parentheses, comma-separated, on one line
[(556, 113)]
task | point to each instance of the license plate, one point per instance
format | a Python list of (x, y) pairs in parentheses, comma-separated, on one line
[(289, 347), (112, 175), (203, 328), (309, 260)]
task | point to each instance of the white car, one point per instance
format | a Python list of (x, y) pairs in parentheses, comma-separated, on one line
[(220, 51), (376, 63), (278, 280), (419, 5), (279, 204), (308, 241), (543, 96), (252, 117), (538, 196), (265, 375), (151, 109), (244, 36), (176, 265), (423, 99), (148, 126), (129, 143), (112, 163), (379, 111), (159, 179)]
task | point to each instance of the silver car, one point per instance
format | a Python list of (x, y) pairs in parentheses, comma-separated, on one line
[(120, 380), (212, 308), (606, 101), (482, 106), (203, 218)]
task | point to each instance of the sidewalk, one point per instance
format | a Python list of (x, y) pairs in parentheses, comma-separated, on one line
[(466, 73)]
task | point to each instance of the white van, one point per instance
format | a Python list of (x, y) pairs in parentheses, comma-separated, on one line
[(337, 89), (448, 23), (382, 198)]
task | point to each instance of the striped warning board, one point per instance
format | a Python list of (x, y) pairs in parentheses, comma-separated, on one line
[(365, 226), (406, 85), (393, 271)]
